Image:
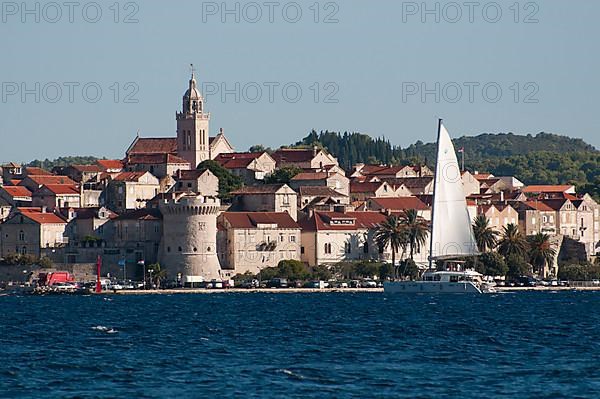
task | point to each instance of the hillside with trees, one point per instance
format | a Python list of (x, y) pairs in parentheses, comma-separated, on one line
[(544, 158)]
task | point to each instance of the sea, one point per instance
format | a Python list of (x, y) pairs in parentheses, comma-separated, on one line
[(302, 345)]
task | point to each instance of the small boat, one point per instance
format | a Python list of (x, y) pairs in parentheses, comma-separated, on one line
[(451, 238)]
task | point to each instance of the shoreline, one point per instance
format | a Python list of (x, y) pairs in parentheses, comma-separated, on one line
[(314, 290)]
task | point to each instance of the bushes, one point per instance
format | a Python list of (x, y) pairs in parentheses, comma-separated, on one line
[(17, 259)]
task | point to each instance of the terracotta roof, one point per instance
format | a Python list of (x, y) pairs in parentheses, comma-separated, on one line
[(88, 168), (32, 170), (129, 176), (15, 182), (400, 203), (547, 189), (319, 191), (154, 145), (40, 217), (155, 159), (249, 220), (537, 205), (364, 187), (17, 191), (110, 164), (41, 180), (60, 188), (141, 214), (343, 221), (554, 204), (193, 174), (263, 189), (237, 160), (311, 176), (293, 155)]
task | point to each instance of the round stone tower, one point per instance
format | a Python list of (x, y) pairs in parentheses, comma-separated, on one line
[(189, 242)]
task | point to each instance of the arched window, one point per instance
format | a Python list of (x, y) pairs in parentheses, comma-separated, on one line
[(21, 235)]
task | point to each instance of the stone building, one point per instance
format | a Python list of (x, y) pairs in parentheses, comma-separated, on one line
[(334, 181), (189, 243), (252, 241), (56, 196), (251, 167), (266, 198), (199, 181), (131, 190), (32, 231), (311, 158)]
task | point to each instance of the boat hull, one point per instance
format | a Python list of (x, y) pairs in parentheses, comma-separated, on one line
[(415, 287)]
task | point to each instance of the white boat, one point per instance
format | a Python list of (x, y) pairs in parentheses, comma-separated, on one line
[(451, 232)]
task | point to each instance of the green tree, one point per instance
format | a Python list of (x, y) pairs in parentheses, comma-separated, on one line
[(283, 175), (45, 262), (321, 272), (293, 270), (409, 269), (491, 264), (386, 271), (485, 236), (541, 253), (512, 242), (416, 229), (228, 182), (391, 233), (517, 266)]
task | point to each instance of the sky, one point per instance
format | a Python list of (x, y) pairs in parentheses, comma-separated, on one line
[(83, 78)]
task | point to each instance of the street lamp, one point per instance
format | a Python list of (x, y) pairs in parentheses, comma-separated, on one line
[(150, 271)]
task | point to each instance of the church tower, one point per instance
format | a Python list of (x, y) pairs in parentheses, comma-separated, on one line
[(193, 143)]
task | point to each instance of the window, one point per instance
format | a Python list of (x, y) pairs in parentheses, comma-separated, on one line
[(348, 248), (381, 249), (24, 251), (302, 250), (179, 249), (292, 238), (281, 238), (366, 248), (286, 199), (327, 248), (21, 235)]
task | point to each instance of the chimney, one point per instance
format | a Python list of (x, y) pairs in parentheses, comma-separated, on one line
[(501, 196), (44, 209), (315, 150)]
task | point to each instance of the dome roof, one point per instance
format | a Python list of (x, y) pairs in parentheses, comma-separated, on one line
[(192, 92)]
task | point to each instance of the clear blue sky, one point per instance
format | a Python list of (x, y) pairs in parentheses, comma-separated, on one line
[(375, 54)]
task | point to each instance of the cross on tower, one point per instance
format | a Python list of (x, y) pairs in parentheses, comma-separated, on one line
[(192, 69)]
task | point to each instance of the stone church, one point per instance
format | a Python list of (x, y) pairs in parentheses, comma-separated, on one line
[(193, 142)]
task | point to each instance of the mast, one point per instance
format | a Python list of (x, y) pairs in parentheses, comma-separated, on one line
[(435, 179)]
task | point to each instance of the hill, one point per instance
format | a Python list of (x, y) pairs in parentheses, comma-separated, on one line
[(541, 159)]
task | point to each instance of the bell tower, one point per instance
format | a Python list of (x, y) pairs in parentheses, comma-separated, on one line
[(192, 126)]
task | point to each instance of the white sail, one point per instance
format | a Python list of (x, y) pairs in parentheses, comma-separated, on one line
[(452, 233)]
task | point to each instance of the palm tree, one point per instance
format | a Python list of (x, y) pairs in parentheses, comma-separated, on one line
[(541, 252), (512, 242), (416, 229), (390, 232), (485, 235)]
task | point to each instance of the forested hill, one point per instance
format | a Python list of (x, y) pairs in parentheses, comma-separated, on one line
[(543, 158)]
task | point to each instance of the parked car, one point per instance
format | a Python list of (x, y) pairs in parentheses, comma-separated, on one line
[(277, 283), (369, 284)]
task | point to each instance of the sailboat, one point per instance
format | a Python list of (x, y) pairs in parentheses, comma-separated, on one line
[(451, 237)]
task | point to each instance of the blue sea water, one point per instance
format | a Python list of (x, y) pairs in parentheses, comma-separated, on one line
[(337, 345)]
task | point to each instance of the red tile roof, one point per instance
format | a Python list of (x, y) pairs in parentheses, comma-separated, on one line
[(88, 168), (293, 155), (364, 187), (153, 145), (482, 176), (17, 191), (129, 176), (547, 189), (311, 176), (319, 191), (554, 204), (112, 164), (400, 203), (40, 217), (156, 159), (237, 160), (32, 170), (249, 220), (41, 180), (538, 205), (193, 174), (61, 189)]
